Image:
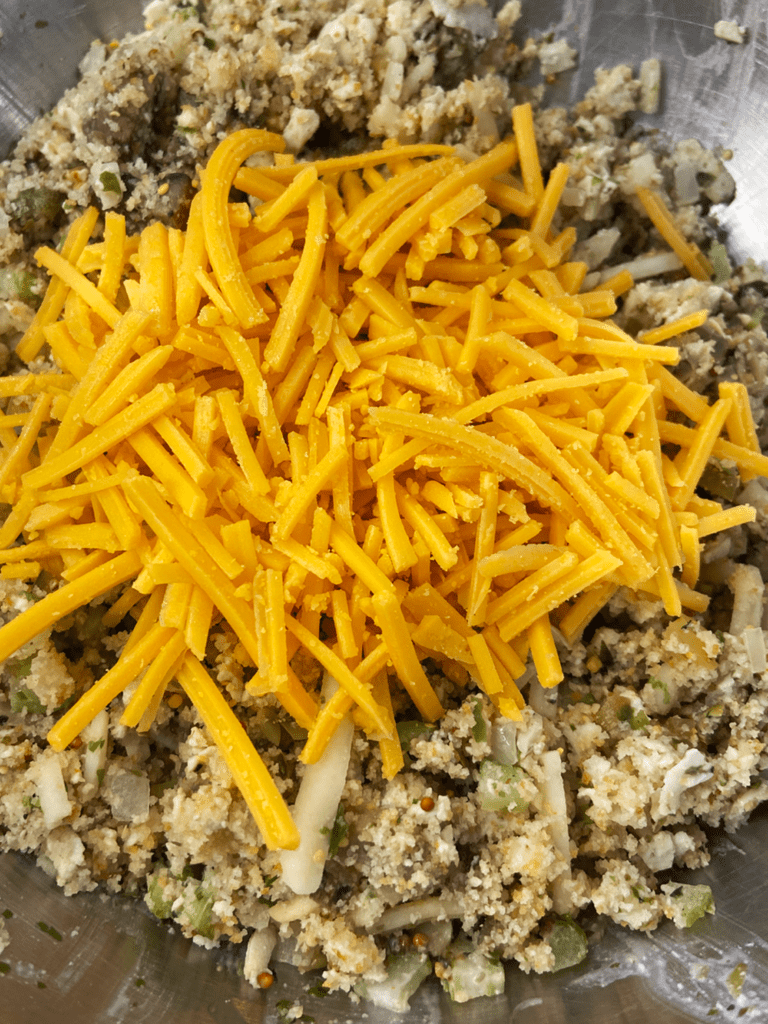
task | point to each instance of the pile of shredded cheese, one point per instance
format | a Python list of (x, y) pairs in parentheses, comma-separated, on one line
[(367, 404)]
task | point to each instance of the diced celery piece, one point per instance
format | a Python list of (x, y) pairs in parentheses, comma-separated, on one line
[(472, 974), (405, 972), (409, 731), (691, 902), (155, 900), (568, 942), (200, 909), (722, 267), (497, 787)]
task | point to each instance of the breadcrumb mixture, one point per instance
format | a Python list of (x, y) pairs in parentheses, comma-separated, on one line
[(660, 726)]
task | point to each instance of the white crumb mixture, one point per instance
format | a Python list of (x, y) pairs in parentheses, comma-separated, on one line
[(659, 728)]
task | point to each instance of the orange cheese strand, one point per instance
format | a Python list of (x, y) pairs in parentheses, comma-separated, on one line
[(219, 176), (248, 770)]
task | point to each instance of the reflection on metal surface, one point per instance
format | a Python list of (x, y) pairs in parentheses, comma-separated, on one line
[(114, 962)]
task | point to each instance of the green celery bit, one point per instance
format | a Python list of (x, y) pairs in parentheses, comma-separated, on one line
[(568, 943), (695, 902), (497, 787), (200, 910), (736, 980), (409, 731), (405, 972), (720, 263), (472, 974), (159, 906)]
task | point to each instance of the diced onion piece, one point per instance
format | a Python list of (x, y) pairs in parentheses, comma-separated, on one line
[(52, 790), (259, 953), (407, 915), (95, 736), (553, 799), (405, 973), (316, 806)]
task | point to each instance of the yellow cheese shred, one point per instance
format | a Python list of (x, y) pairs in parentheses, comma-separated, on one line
[(370, 418)]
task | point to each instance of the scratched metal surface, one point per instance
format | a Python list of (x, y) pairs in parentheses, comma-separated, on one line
[(113, 961)]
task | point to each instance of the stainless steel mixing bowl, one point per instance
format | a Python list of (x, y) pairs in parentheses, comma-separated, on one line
[(114, 962)]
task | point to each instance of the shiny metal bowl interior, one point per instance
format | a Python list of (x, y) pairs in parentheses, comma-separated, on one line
[(114, 962)]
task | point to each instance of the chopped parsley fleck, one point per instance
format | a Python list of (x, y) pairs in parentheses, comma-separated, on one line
[(110, 182), (24, 699), (635, 719), (657, 684), (479, 729), (49, 930), (337, 832)]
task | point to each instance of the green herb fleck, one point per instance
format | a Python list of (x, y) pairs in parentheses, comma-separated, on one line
[(479, 729), (736, 980), (7, 914), (49, 930), (185, 130), (100, 776), (209, 44), (657, 684), (318, 991), (20, 669), (4, 967), (31, 802), (110, 182), (25, 700), (140, 983), (635, 719), (19, 284), (41, 984), (95, 745), (338, 831)]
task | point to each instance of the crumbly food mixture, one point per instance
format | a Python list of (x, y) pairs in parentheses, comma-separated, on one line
[(659, 727)]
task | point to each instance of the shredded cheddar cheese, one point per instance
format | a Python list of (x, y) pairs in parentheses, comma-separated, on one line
[(373, 403)]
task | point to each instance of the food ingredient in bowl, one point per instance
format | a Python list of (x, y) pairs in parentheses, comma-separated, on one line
[(479, 823)]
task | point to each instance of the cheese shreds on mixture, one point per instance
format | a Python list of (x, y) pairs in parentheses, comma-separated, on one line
[(260, 459)]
